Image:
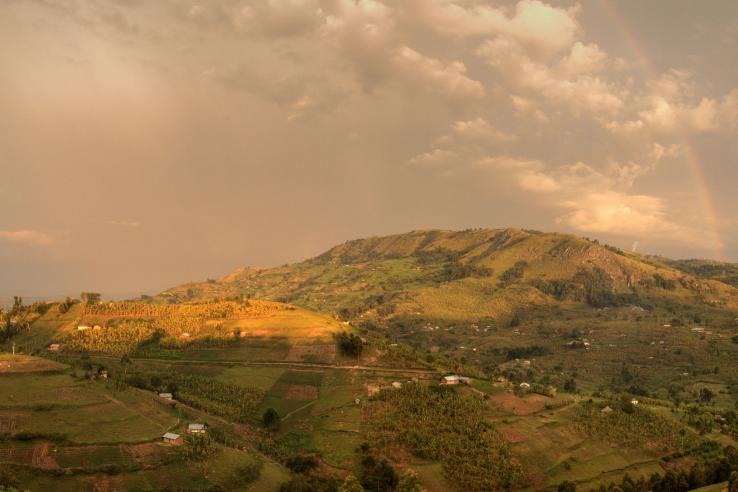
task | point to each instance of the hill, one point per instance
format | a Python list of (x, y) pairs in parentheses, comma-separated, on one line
[(471, 274)]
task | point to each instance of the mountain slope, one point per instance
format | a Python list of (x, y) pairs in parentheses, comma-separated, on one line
[(476, 273)]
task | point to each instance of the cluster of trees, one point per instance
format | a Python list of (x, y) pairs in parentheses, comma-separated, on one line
[(438, 423), (349, 344), (198, 447), (632, 426), (514, 273), (593, 286), (202, 310), (717, 470), (123, 338), (526, 352), (232, 401)]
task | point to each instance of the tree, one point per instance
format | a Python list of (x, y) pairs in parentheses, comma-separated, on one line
[(706, 395), (302, 463), (351, 484), (125, 361), (271, 419), (733, 482), (350, 344), (90, 297), (377, 476), (570, 386), (567, 486), (409, 482)]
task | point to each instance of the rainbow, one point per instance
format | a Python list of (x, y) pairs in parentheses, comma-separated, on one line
[(692, 155)]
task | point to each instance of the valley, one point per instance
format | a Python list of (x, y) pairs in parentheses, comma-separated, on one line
[(588, 366)]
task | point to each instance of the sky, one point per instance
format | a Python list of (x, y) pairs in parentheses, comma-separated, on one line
[(145, 144)]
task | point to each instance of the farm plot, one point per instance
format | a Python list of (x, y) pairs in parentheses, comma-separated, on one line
[(293, 390)]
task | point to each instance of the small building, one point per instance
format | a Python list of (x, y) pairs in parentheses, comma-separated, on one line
[(634, 401), (172, 438), (455, 379), (525, 386), (83, 327), (54, 347), (396, 384), (606, 409), (196, 429), (185, 335), (104, 374), (166, 396)]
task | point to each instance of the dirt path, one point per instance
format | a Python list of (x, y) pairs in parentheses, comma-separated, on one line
[(279, 363), (298, 409)]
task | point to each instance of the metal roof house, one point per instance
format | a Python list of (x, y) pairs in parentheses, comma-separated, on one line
[(455, 379), (166, 396), (196, 429), (172, 438)]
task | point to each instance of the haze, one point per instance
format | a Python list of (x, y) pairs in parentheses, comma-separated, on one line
[(143, 144)]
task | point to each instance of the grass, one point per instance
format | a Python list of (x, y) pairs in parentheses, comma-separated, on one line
[(83, 411)]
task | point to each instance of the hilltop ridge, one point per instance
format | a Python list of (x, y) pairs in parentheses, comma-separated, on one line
[(470, 273)]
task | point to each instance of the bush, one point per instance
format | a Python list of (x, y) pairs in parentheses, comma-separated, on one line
[(271, 419), (302, 463)]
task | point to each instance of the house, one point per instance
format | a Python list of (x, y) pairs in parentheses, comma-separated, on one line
[(54, 347), (607, 409), (166, 396), (397, 385), (525, 386), (172, 438), (104, 374), (83, 327), (634, 401), (185, 335), (455, 379), (196, 429)]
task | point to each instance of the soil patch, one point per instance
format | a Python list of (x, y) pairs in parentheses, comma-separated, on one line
[(301, 392), (520, 406)]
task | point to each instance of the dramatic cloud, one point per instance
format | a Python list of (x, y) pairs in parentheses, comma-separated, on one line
[(231, 127)]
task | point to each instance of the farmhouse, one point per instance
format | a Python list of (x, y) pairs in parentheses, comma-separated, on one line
[(524, 386), (196, 429), (455, 379), (104, 374), (166, 396), (83, 327), (54, 347), (172, 438)]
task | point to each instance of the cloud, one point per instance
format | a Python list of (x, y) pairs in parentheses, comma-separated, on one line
[(480, 129), (124, 223), (425, 73), (26, 237), (540, 27), (568, 82), (279, 18), (435, 157), (637, 216), (669, 106)]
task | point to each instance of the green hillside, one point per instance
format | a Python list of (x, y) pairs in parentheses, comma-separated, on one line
[(467, 275)]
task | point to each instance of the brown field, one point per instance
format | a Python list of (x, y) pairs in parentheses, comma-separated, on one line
[(509, 402), (321, 352), (301, 392), (10, 364)]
